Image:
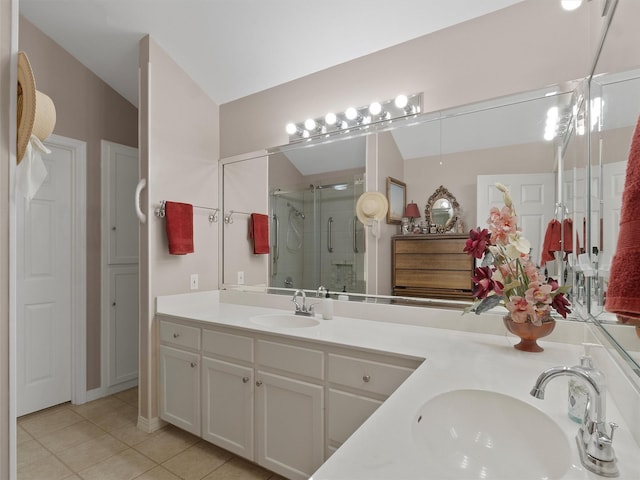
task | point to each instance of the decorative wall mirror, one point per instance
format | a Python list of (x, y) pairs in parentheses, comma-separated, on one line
[(442, 210)]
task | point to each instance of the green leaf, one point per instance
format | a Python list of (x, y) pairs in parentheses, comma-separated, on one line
[(487, 304)]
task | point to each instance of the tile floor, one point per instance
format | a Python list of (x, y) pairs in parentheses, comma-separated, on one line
[(99, 441)]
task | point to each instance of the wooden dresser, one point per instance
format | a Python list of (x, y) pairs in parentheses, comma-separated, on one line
[(433, 266)]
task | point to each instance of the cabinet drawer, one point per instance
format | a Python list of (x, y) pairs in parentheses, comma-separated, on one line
[(443, 279), (300, 360), (430, 245), (228, 345), (346, 413), (366, 375), (180, 335)]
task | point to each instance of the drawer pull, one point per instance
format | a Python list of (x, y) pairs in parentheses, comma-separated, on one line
[(194, 364), (258, 383), (245, 379), (366, 378), (176, 335)]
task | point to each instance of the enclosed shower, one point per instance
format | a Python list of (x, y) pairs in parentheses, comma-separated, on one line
[(316, 238)]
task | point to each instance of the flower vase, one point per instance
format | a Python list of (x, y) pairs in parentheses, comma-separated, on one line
[(529, 333)]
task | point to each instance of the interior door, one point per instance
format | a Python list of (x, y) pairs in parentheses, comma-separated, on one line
[(43, 287), (534, 198)]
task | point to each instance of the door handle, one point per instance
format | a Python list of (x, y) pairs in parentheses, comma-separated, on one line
[(141, 215)]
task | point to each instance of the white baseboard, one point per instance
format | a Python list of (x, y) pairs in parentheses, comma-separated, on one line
[(150, 425)]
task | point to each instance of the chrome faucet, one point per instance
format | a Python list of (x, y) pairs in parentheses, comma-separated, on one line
[(303, 309), (594, 444)]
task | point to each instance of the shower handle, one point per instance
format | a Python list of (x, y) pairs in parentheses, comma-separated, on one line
[(329, 234), (355, 226)]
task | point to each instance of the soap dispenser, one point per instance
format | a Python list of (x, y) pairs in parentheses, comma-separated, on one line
[(578, 391), (327, 307)]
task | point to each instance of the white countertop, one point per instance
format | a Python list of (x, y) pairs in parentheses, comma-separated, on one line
[(382, 447)]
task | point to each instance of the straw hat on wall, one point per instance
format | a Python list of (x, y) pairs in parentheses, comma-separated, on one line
[(371, 206), (36, 112)]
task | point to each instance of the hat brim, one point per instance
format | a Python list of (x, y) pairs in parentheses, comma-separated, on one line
[(26, 104), (380, 207)]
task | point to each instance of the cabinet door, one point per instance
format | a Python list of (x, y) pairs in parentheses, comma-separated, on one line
[(347, 411), (227, 406), (289, 425), (180, 388)]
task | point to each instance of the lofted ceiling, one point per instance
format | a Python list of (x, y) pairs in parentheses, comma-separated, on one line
[(233, 48)]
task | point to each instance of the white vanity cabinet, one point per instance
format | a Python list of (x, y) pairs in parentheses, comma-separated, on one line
[(179, 371), (358, 385), (289, 408), (227, 391)]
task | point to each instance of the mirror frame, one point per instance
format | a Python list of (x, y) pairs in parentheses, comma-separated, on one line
[(440, 193)]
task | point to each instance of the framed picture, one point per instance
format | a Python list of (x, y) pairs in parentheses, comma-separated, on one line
[(397, 197)]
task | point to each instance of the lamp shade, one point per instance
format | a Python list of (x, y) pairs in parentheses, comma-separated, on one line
[(412, 210)]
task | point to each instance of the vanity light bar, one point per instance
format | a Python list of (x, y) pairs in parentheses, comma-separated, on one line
[(355, 118)]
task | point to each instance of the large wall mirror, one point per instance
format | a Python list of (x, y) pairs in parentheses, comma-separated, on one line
[(614, 111)]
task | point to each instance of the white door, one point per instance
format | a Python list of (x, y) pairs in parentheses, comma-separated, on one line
[(120, 266), (44, 233), (534, 198), (613, 176)]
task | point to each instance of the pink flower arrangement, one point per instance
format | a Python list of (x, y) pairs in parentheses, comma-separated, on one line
[(507, 276)]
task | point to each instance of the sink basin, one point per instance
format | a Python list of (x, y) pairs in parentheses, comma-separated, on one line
[(285, 320), (486, 435)]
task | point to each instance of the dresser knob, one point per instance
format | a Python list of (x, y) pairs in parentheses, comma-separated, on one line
[(366, 378), (258, 383), (176, 335), (245, 379), (194, 364)]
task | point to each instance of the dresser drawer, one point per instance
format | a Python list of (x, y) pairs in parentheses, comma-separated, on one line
[(237, 347), (289, 358), (374, 377), (179, 335)]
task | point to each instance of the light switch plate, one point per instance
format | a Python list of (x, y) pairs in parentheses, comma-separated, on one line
[(194, 281), (240, 278)]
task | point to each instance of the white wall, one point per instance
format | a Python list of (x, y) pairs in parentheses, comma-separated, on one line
[(179, 147)]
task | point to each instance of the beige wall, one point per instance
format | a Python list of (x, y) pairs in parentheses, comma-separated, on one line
[(179, 147), (523, 47), (87, 109)]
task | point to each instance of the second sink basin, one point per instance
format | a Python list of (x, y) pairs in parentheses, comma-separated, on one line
[(284, 320), (482, 434)]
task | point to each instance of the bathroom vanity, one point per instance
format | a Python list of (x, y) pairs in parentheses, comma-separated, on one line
[(342, 398)]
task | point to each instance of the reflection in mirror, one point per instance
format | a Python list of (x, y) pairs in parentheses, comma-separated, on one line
[(315, 236), (442, 210)]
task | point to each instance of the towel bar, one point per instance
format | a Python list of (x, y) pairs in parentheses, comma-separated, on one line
[(160, 211), (227, 217)]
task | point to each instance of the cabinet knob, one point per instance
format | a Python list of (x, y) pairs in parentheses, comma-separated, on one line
[(176, 335), (258, 383), (245, 379), (113, 228), (113, 304), (366, 378), (194, 364)]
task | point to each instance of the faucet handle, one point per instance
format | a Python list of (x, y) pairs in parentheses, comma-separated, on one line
[(613, 426)]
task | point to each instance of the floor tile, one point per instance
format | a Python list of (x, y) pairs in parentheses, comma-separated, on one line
[(30, 452), (123, 416), (98, 408), (197, 461), (70, 436), (132, 435), (22, 435), (239, 469), (129, 396), (41, 423), (49, 468), (126, 465), (168, 443), (158, 473), (91, 452)]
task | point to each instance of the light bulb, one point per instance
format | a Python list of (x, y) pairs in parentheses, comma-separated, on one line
[(570, 4), (401, 101), (330, 118), (310, 124), (291, 128), (552, 113), (375, 108), (351, 113), (305, 134)]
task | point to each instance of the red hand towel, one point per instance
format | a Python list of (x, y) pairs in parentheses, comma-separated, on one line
[(259, 231), (623, 294), (551, 242), (179, 220)]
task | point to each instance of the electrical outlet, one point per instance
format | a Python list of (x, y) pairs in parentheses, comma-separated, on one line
[(194, 281), (240, 278)]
